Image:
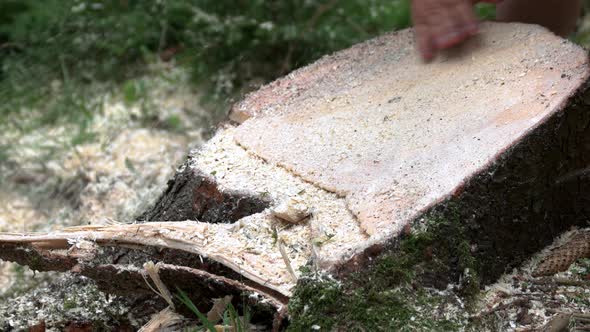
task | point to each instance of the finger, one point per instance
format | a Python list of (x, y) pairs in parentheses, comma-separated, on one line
[(424, 42), (468, 21), (448, 29), (422, 31)]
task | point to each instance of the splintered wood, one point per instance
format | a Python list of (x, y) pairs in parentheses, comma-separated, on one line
[(347, 152)]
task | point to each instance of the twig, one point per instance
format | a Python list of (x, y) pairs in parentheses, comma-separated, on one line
[(502, 306), (162, 41), (577, 315), (568, 282), (560, 282), (153, 271), (15, 46), (580, 316), (286, 259)]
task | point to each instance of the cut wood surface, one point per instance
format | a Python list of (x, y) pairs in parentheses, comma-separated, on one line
[(357, 147), (394, 136)]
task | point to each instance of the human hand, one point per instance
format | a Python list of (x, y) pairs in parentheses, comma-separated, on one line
[(440, 24)]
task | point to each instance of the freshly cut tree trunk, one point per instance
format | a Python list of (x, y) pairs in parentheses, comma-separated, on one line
[(329, 166)]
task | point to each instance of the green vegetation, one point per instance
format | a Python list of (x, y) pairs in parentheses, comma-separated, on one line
[(230, 320), (53, 53), (393, 294), (183, 297), (581, 268), (57, 54)]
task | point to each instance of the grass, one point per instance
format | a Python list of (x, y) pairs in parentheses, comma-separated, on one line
[(58, 55), (231, 320), (183, 297), (55, 54)]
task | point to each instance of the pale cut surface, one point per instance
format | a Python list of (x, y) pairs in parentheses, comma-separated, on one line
[(328, 236), (395, 136)]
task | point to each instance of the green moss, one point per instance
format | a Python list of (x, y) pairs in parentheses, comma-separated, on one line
[(315, 296), (70, 303), (328, 305), (394, 292)]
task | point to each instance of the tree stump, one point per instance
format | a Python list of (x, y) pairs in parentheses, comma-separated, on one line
[(359, 149)]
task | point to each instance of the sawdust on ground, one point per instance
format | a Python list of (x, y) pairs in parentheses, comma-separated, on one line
[(111, 178)]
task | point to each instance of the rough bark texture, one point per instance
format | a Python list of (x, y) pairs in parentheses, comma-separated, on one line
[(192, 195), (38, 260), (119, 270), (534, 192)]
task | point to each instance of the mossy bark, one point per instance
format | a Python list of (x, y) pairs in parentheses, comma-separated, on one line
[(392, 292)]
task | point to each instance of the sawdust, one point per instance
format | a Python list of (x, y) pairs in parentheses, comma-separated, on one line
[(114, 176), (66, 299), (48, 182), (331, 231), (520, 301)]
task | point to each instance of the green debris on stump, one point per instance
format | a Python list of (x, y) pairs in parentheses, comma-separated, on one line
[(402, 289)]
